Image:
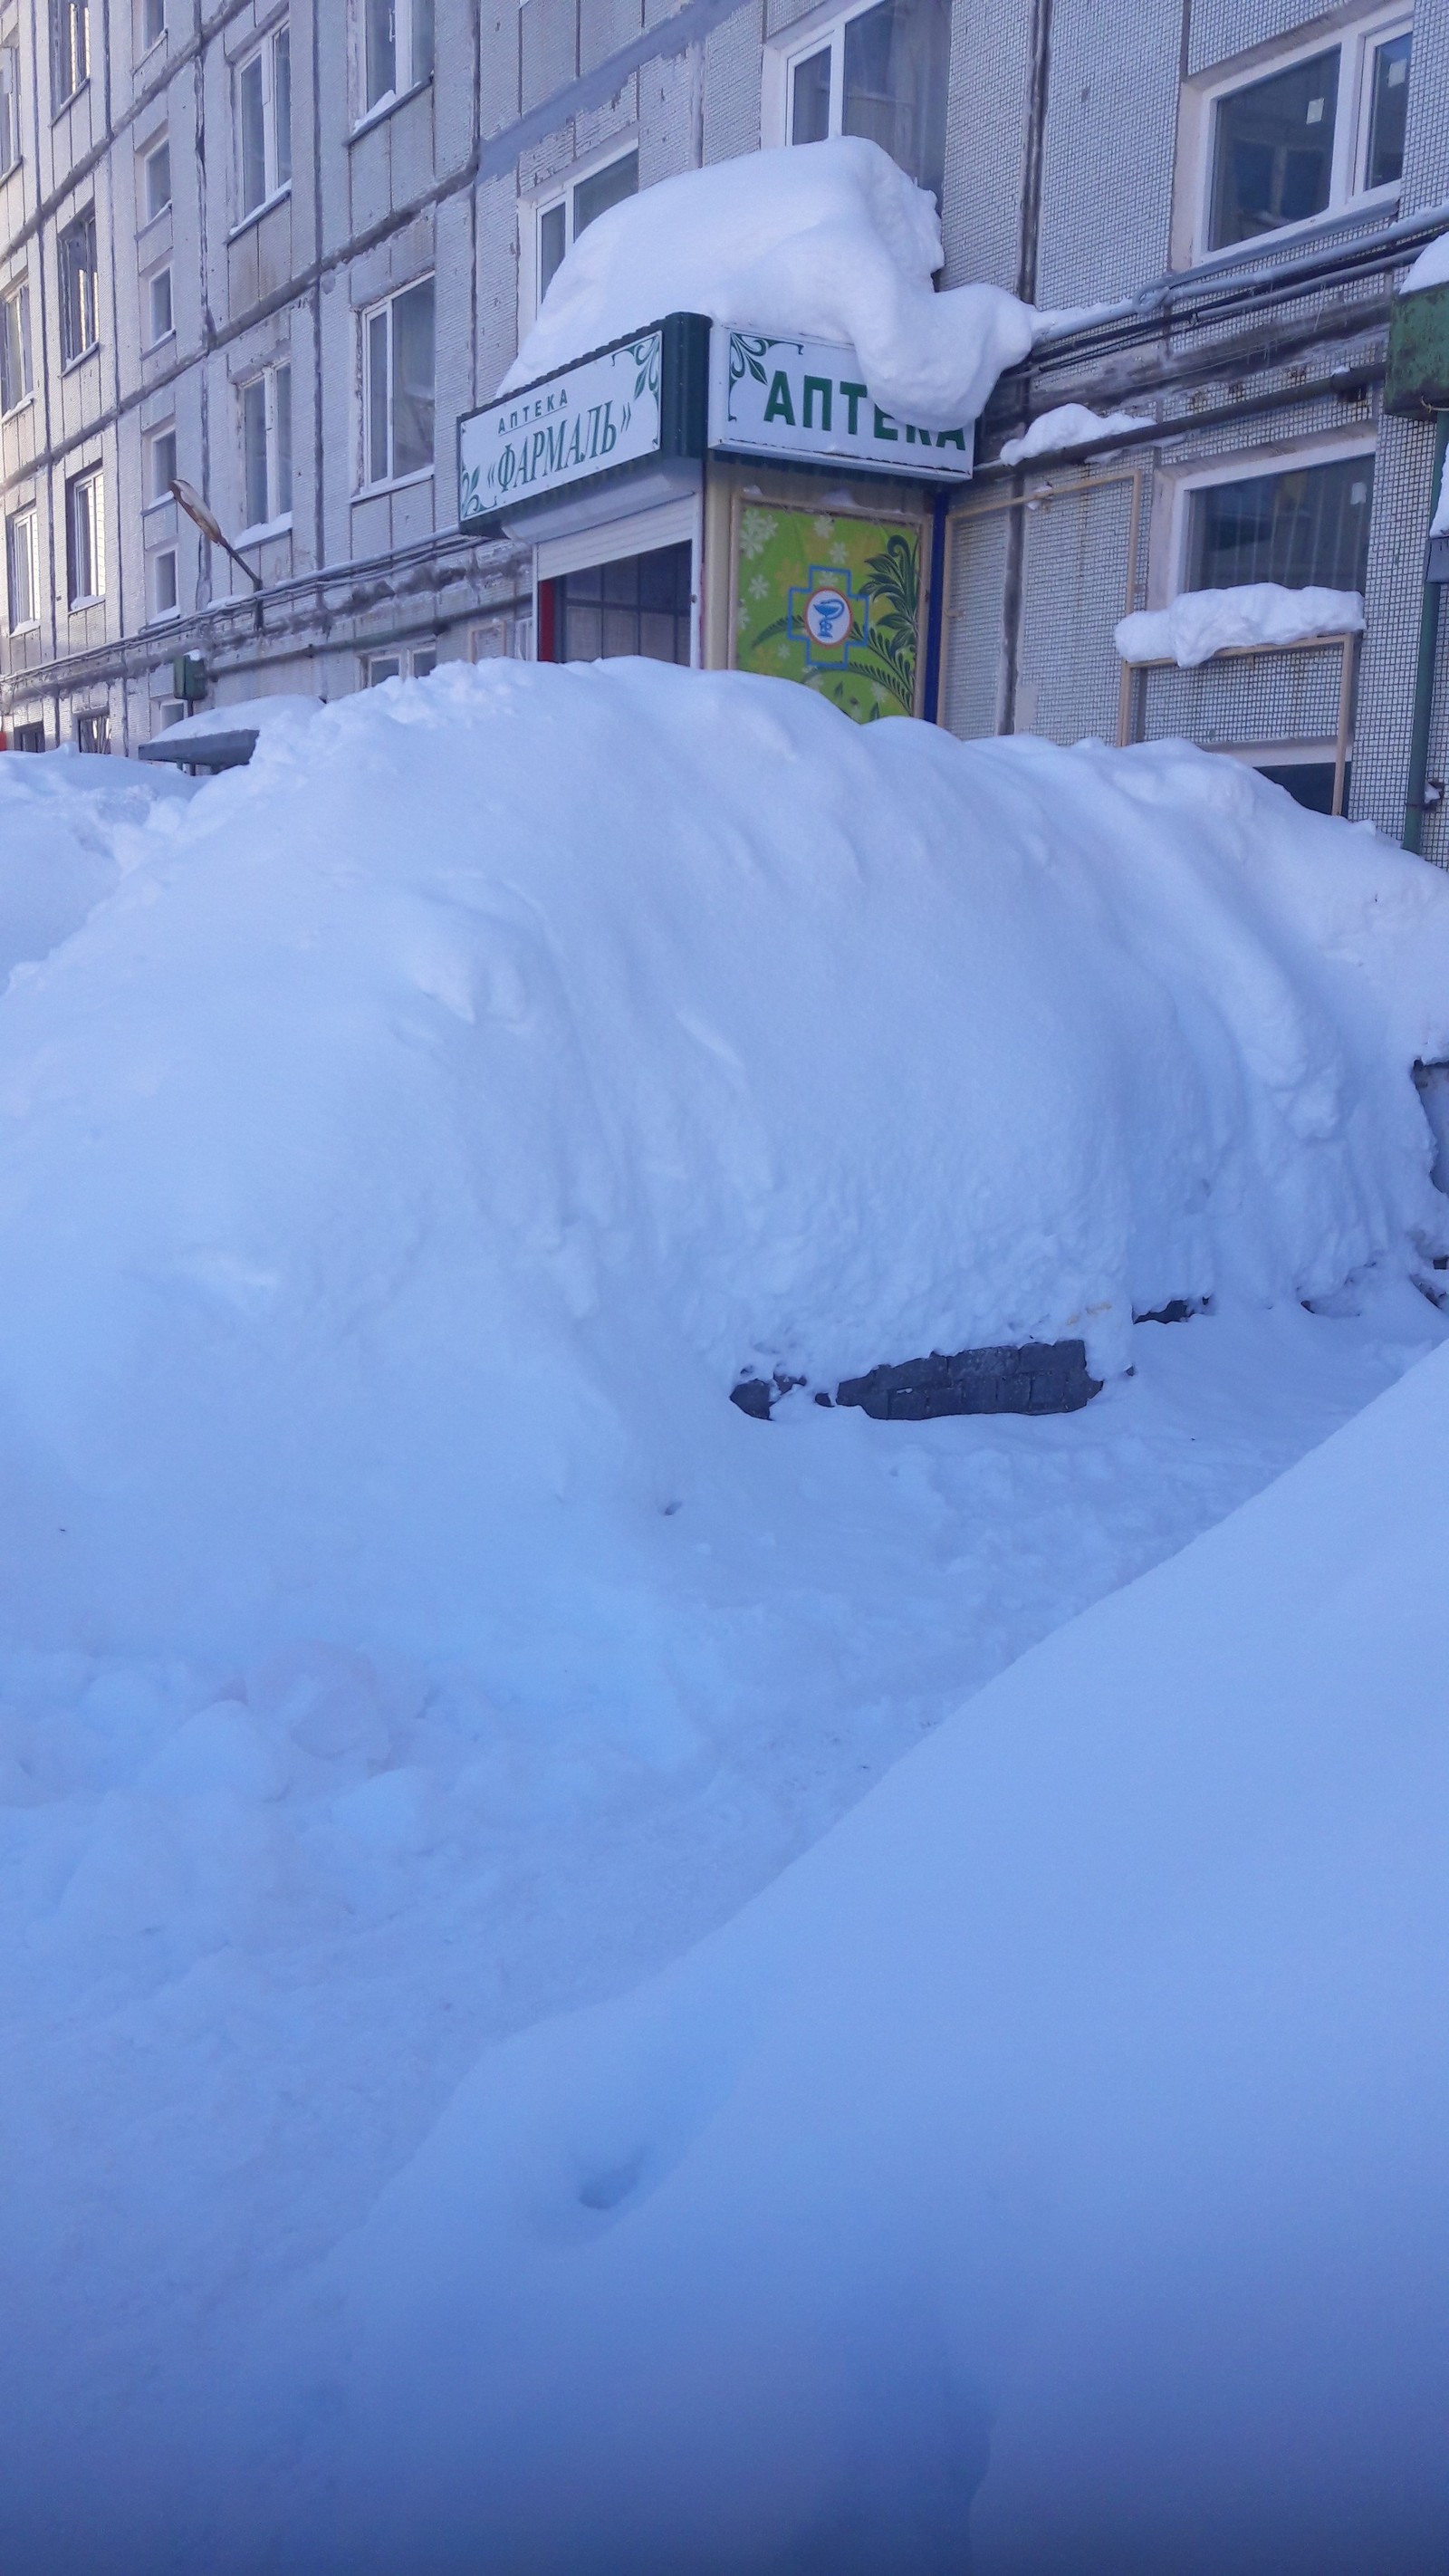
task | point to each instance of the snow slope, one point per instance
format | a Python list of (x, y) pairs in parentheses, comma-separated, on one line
[(829, 241), (403, 1637), (1072, 2121)]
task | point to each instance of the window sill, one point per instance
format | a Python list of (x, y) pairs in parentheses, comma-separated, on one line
[(153, 347), (395, 483), (270, 528), (142, 229), (161, 501), (32, 628), (276, 198), (68, 103), (385, 108), (11, 168), (163, 617), (69, 365), (25, 403), (1373, 201), (95, 599)]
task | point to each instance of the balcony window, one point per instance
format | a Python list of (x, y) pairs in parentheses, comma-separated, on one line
[(1305, 528), (1320, 133)]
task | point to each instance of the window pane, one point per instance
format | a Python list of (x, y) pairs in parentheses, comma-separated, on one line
[(380, 45), (425, 660), (9, 107), (1390, 109), (10, 373), (383, 666), (163, 584), (810, 98), (163, 463), (282, 108), (158, 181), (161, 315), (422, 40), (282, 430), (254, 453), (20, 559), (379, 462), (412, 379), (1273, 151), (897, 59), (1307, 527), (252, 134), (153, 22), (593, 197), (550, 248)]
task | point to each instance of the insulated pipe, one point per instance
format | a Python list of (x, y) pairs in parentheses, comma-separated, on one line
[(1424, 674)]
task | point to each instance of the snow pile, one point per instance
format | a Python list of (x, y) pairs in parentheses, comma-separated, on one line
[(1431, 268), (1203, 622), (243, 715), (1067, 2129), (65, 820), (498, 1068), (1070, 425), (827, 241)]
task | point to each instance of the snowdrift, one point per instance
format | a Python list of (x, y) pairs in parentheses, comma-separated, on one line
[(447, 1109), (829, 241), (1066, 2131)]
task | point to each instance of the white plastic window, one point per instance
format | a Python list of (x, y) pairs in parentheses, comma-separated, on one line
[(1317, 132), (15, 375), (161, 466), (85, 531), (561, 216), (79, 288), (397, 386), (160, 315), (9, 107), (161, 571), (153, 23), (397, 49), (22, 570), (156, 182), (880, 71), (70, 48), (263, 94), (266, 433)]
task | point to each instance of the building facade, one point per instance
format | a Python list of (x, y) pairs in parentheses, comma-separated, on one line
[(278, 248)]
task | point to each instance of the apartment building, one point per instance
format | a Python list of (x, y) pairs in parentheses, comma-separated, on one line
[(280, 248)]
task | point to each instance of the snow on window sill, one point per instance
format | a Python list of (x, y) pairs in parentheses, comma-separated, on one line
[(17, 408), (79, 360), (68, 102), (393, 483), (153, 345), (257, 212), (142, 229), (395, 98), (92, 599), (265, 528), (163, 617), (31, 627)]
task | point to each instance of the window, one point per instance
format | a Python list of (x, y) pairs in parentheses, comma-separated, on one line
[(160, 464), (93, 730), (22, 571), (79, 287), (70, 48), (264, 121), (402, 663), (15, 378), (880, 72), (640, 604), (160, 318), (161, 583), (1320, 133), (561, 221), (398, 385), (1307, 526), (397, 48), (153, 23), (156, 182), (29, 737), (9, 108), (85, 538), (266, 427)]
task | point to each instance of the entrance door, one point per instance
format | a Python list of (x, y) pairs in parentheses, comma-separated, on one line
[(637, 604)]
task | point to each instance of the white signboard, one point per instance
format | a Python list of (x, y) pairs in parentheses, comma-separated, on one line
[(808, 398), (603, 412)]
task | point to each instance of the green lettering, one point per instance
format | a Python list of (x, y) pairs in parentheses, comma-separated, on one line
[(854, 396), (883, 427), (817, 385), (921, 436), (779, 406), (952, 438)]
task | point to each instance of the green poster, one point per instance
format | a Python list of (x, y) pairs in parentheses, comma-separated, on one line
[(832, 602)]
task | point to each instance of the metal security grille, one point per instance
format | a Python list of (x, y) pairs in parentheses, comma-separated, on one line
[(638, 605), (1260, 697), (1310, 526)]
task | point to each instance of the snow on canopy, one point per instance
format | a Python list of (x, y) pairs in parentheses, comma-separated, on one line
[(826, 241), (1200, 623)]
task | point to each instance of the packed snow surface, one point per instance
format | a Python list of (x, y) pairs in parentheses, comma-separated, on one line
[(825, 241), (1070, 425), (406, 1142), (1431, 268), (1203, 622)]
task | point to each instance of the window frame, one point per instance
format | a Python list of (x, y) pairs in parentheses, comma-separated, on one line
[(90, 478), (18, 294), (278, 522), (147, 43), (72, 357), (155, 614), (369, 483), (157, 339), (28, 514), (155, 499), (807, 35), (1176, 485), (559, 191), (146, 159), (1356, 43), (407, 14), (407, 658), (11, 90), (276, 182), (69, 15)]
